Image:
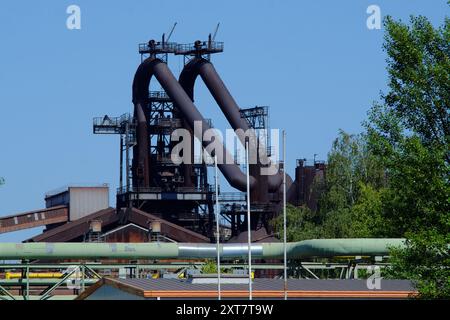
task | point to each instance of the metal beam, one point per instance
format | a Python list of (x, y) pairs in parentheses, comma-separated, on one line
[(48, 291), (7, 293), (35, 282), (309, 271)]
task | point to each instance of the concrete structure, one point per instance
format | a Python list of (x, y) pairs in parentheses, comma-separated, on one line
[(81, 200)]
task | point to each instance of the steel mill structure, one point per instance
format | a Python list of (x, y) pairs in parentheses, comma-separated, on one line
[(182, 193), (153, 187), (163, 224)]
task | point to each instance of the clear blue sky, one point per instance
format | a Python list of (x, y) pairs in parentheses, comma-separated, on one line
[(315, 63)]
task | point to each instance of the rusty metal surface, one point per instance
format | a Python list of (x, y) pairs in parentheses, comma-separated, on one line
[(203, 68), (33, 219), (144, 73), (75, 229), (168, 229), (305, 177)]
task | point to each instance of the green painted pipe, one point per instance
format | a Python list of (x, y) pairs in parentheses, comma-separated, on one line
[(165, 250), (38, 282)]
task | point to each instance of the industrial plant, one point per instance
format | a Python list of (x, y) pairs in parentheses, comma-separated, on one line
[(172, 220)]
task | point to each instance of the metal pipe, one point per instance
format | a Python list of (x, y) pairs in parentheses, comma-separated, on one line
[(165, 250), (140, 92), (227, 104), (232, 172), (152, 66)]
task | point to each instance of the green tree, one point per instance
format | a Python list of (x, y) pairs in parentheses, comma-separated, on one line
[(409, 133), (426, 262), (353, 179), (350, 164), (349, 198), (210, 266), (300, 224), (2, 181)]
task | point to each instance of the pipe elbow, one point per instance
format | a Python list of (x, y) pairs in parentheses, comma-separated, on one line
[(274, 182), (240, 182)]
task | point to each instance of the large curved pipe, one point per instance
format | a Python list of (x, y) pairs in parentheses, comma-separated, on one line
[(200, 66), (159, 69), (140, 94), (164, 250)]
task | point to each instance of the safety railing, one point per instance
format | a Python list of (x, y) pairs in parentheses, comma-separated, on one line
[(157, 47), (131, 189), (162, 95), (200, 46)]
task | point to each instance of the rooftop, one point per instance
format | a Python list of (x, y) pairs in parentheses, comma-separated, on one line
[(262, 288)]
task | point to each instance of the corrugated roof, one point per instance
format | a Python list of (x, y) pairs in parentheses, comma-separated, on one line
[(262, 288), (173, 230), (74, 229), (66, 188), (77, 228), (265, 284)]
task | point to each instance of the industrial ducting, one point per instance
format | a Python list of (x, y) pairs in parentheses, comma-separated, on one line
[(164, 250)]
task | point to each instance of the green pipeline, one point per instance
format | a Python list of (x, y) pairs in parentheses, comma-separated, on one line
[(165, 250)]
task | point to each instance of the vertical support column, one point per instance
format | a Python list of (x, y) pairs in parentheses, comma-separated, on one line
[(217, 228), (83, 276), (27, 292), (284, 217), (127, 161), (233, 224), (249, 230), (121, 162)]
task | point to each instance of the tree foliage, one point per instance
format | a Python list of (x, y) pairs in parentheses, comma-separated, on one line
[(349, 202), (210, 267), (409, 133), (393, 180), (426, 261), (300, 224)]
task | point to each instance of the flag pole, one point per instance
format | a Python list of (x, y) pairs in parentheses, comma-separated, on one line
[(217, 230), (249, 237), (284, 217)]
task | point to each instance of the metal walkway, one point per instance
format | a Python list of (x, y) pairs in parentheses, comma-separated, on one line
[(32, 219)]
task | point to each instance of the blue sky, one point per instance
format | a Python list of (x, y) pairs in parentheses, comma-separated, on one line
[(315, 63)]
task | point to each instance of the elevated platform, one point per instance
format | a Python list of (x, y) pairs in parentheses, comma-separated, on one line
[(114, 125), (199, 48), (179, 193), (157, 47)]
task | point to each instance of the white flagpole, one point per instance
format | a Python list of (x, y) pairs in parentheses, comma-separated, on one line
[(284, 216), (217, 230), (248, 226)]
